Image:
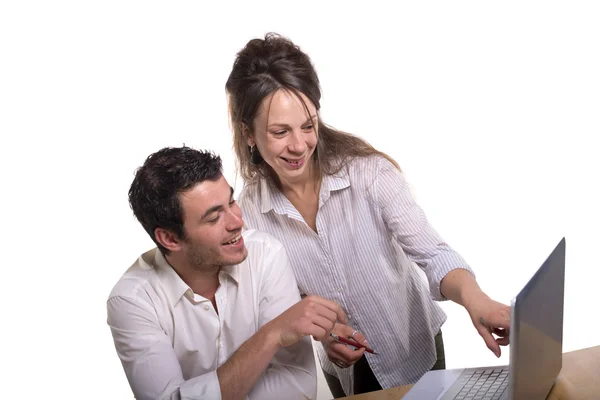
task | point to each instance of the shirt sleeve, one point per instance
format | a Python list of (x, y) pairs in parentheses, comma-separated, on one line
[(147, 355), (292, 373), (409, 227)]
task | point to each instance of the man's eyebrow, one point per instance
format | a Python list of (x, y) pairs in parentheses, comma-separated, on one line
[(217, 208), (212, 210)]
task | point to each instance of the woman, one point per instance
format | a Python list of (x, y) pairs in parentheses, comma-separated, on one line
[(351, 228)]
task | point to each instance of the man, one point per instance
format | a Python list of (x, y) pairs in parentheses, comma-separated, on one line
[(211, 312)]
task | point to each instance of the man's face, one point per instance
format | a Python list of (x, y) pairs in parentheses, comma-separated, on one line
[(212, 222)]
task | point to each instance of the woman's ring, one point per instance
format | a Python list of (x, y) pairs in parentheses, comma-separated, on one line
[(352, 336)]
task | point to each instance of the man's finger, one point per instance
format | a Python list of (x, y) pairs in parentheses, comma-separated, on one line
[(317, 332), (332, 305), (322, 322), (325, 312)]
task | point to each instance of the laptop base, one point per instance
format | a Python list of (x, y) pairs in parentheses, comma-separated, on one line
[(479, 383)]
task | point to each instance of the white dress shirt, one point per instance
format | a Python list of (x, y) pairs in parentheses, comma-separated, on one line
[(370, 230), (171, 341)]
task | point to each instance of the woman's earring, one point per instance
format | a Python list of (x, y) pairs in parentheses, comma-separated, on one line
[(255, 157)]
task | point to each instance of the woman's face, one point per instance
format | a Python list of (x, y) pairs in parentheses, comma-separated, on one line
[(286, 135)]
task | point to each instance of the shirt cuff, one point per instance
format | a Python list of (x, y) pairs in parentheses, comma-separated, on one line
[(439, 271)]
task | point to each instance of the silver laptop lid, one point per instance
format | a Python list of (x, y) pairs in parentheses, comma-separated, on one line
[(537, 330)]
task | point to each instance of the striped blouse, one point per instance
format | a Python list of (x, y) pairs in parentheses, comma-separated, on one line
[(370, 231)]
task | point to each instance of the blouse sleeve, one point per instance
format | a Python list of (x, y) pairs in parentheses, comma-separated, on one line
[(409, 227)]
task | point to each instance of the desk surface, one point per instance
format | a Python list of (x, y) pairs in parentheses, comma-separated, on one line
[(579, 379)]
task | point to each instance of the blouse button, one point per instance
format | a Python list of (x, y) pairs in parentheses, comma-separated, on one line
[(206, 308)]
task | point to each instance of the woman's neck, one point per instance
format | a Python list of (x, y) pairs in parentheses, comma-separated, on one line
[(305, 185)]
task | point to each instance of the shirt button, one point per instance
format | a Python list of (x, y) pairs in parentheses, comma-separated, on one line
[(206, 308)]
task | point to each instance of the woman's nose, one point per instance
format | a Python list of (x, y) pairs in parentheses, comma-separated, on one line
[(297, 143)]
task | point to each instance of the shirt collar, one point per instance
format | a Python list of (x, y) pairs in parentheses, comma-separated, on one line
[(272, 199), (337, 181), (174, 286), (234, 270)]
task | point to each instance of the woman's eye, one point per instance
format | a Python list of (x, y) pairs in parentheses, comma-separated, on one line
[(309, 127), (279, 133)]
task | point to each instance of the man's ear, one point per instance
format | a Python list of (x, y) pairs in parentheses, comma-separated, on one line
[(167, 239), (248, 135)]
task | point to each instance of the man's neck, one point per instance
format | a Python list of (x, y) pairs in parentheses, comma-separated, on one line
[(202, 281)]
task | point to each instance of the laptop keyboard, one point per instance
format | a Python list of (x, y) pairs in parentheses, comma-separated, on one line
[(484, 384)]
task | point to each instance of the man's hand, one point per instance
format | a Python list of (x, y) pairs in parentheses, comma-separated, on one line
[(313, 315), (490, 318), (339, 353)]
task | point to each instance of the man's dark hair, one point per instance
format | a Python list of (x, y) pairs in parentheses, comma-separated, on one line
[(154, 192)]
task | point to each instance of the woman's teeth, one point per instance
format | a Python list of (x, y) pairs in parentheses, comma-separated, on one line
[(293, 162)]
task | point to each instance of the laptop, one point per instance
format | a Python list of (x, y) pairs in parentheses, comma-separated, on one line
[(536, 332)]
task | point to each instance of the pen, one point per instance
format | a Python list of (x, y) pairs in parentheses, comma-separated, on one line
[(351, 343)]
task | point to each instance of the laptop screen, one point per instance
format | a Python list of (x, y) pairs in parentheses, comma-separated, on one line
[(537, 331)]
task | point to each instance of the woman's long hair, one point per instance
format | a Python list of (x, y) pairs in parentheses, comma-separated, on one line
[(264, 66)]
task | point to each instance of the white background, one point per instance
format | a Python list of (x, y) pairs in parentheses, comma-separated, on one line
[(491, 109)]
